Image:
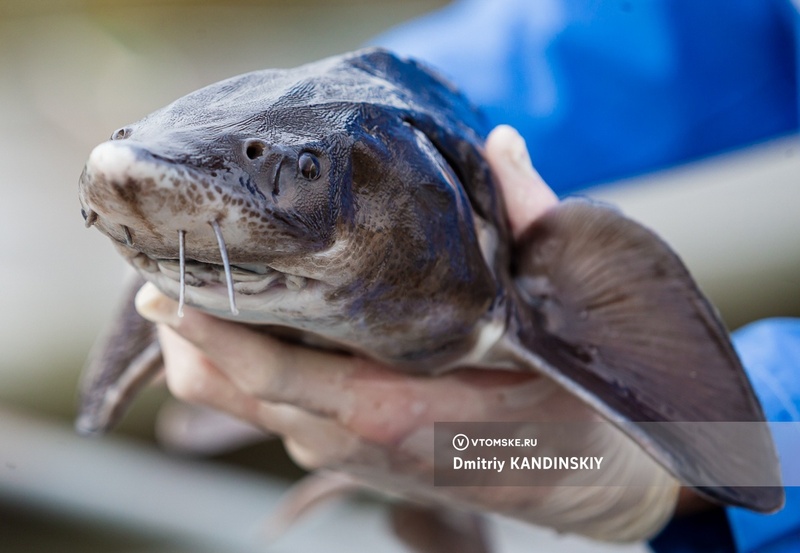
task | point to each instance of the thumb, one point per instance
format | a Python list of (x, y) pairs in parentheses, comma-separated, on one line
[(526, 195)]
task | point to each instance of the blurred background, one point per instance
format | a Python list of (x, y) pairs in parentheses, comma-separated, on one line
[(73, 71)]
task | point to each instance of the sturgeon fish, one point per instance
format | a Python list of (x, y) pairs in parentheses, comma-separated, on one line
[(348, 200)]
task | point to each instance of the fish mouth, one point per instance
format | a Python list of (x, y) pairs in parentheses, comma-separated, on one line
[(245, 278), (248, 279)]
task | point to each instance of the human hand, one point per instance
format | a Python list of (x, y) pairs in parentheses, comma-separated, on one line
[(354, 415)]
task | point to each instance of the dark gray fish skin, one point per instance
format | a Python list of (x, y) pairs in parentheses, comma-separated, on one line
[(385, 201), (356, 208)]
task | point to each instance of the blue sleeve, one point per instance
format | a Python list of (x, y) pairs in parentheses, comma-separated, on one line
[(605, 90), (770, 352)]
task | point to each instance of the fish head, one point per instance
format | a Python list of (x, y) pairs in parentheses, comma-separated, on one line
[(307, 198)]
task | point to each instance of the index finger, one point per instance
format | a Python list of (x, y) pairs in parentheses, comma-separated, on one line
[(375, 402)]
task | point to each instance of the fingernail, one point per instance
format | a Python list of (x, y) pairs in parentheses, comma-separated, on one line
[(518, 154), (155, 306)]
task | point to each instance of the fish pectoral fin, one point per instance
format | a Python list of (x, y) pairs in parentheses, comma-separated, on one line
[(616, 318), (122, 362)]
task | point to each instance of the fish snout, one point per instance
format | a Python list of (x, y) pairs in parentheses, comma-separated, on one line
[(134, 195)]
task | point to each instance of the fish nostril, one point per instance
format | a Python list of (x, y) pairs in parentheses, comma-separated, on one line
[(254, 149), (121, 134), (89, 217)]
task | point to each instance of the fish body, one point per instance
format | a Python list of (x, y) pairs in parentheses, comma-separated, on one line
[(348, 200)]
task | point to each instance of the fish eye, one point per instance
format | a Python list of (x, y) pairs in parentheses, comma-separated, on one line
[(308, 165)]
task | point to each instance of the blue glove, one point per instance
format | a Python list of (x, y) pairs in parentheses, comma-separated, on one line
[(770, 351), (605, 90)]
